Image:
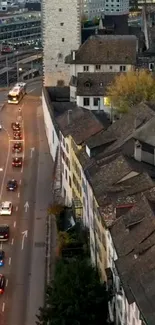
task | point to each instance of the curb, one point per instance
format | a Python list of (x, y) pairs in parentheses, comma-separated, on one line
[(2, 106)]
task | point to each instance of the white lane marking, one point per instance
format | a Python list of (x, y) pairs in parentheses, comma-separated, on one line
[(12, 241), (21, 169), (18, 194), (9, 260), (1, 246), (14, 224), (20, 182), (30, 91), (31, 151), (24, 233), (12, 140), (17, 208), (26, 206), (6, 165), (3, 307), (7, 282)]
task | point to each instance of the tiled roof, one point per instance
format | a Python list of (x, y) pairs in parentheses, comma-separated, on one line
[(123, 129), (80, 124), (107, 49), (94, 84), (134, 239)]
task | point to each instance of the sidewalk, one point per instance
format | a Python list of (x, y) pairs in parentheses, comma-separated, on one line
[(43, 199)]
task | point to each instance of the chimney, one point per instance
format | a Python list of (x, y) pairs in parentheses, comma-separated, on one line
[(138, 151), (69, 116), (73, 55)]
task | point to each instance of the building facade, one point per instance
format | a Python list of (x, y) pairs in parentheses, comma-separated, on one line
[(61, 34)]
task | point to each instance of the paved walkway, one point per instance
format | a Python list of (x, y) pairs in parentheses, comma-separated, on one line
[(43, 199)]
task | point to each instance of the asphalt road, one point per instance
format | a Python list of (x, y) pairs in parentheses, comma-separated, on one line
[(25, 252)]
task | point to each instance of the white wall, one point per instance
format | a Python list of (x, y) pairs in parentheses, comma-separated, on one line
[(91, 106), (125, 313), (75, 69), (86, 220), (66, 171), (53, 140)]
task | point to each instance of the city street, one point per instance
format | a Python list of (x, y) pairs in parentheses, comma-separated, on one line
[(24, 267)]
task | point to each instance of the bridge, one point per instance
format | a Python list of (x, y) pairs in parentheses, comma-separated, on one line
[(30, 59)]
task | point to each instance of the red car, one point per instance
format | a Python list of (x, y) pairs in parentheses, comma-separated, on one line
[(17, 135), (16, 126), (2, 283), (17, 162), (17, 147)]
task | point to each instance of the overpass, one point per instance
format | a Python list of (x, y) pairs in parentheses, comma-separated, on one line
[(30, 59)]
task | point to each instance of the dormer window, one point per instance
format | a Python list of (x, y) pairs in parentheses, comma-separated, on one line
[(86, 68), (101, 84), (87, 84)]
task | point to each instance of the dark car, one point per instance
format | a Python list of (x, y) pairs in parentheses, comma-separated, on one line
[(4, 232), (2, 257), (16, 126), (17, 162), (17, 147), (2, 283), (17, 135), (12, 185)]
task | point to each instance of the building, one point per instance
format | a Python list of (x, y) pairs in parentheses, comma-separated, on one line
[(61, 34), (116, 7), (95, 65), (20, 28)]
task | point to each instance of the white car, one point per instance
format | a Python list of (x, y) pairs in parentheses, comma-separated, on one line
[(6, 208)]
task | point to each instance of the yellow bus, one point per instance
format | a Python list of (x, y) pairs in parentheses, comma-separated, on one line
[(17, 93)]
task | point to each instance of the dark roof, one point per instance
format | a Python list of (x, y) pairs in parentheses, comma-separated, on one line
[(122, 129), (93, 84), (80, 124), (106, 49), (134, 238)]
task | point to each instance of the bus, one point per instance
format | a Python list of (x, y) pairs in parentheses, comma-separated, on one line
[(17, 93)]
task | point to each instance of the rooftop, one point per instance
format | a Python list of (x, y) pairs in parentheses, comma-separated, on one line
[(106, 49), (80, 124), (92, 84), (134, 238)]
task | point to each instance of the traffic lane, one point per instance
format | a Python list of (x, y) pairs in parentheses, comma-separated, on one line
[(35, 88), (22, 257), (4, 152), (12, 221), (3, 96)]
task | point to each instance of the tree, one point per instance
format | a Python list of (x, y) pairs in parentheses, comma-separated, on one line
[(76, 296), (130, 89)]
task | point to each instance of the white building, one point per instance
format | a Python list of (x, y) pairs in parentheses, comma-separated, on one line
[(61, 34), (66, 169)]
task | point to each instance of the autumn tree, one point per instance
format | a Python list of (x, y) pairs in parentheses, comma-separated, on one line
[(131, 88), (76, 296)]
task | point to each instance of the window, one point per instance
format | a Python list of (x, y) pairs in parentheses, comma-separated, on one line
[(61, 24), (63, 142), (98, 67), (63, 39), (85, 101), (110, 67), (53, 136), (86, 68), (96, 101), (66, 174), (122, 68), (70, 182), (60, 9)]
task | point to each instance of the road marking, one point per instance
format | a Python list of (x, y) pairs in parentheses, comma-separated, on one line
[(1, 246), (7, 282), (24, 233), (21, 169), (12, 241), (30, 91), (6, 165), (9, 260), (17, 208), (3, 307), (20, 181), (32, 150), (18, 194), (26, 206), (14, 224)]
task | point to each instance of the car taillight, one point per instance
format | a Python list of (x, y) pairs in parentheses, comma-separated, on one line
[(1, 290), (6, 235)]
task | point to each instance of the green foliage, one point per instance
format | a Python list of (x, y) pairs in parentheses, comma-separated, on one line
[(76, 297), (130, 89)]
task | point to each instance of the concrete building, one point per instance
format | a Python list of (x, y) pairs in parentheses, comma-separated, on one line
[(61, 34)]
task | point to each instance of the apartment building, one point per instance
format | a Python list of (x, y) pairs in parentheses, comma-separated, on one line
[(95, 65)]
